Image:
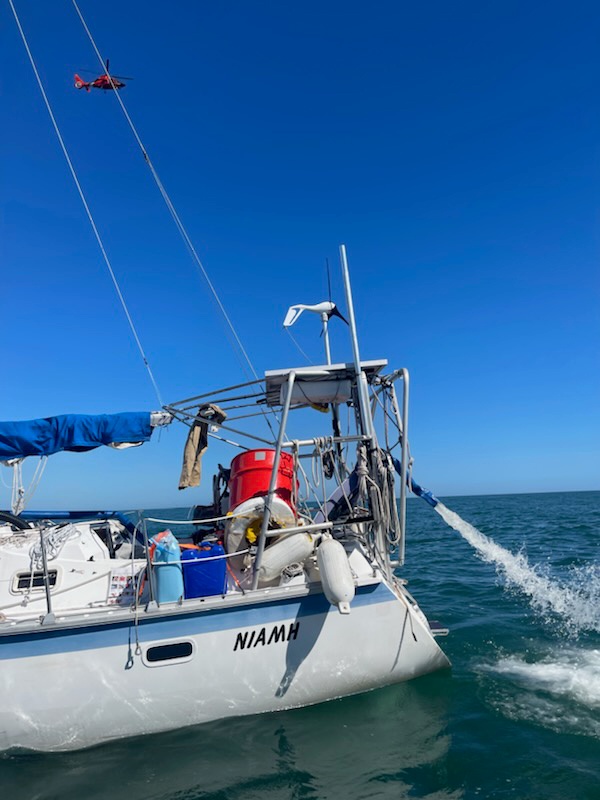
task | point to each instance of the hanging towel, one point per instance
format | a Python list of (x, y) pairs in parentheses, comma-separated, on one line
[(197, 442)]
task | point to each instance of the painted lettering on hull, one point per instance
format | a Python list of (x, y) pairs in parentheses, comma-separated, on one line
[(265, 636)]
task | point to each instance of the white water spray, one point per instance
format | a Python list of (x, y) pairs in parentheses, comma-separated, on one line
[(578, 603), (560, 691), (572, 674)]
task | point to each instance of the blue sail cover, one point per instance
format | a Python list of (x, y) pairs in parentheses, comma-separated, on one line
[(76, 432)]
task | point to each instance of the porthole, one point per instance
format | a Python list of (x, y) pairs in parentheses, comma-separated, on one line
[(165, 653), (33, 581)]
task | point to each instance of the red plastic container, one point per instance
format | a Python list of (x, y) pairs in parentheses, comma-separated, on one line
[(251, 476)]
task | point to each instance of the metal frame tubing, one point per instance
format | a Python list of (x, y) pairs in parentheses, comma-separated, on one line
[(325, 321), (49, 617), (363, 392), (366, 417), (404, 457), (153, 601), (335, 439), (267, 515)]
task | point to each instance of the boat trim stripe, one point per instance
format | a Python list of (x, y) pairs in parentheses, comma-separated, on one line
[(45, 641)]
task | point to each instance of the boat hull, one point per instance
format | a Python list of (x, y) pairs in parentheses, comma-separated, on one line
[(64, 688)]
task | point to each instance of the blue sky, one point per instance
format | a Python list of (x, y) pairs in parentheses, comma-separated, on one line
[(454, 148)]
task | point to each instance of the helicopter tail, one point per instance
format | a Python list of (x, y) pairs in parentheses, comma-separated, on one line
[(81, 84)]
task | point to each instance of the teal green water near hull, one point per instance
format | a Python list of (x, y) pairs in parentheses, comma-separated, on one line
[(518, 716)]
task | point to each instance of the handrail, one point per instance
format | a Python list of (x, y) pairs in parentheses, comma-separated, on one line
[(222, 518), (274, 476), (199, 560), (333, 439)]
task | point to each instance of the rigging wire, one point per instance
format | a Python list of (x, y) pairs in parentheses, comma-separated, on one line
[(85, 204), (295, 341), (176, 219), (172, 210)]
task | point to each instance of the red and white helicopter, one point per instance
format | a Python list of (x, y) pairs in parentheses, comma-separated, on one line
[(106, 82)]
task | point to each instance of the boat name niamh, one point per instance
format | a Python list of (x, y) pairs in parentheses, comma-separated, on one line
[(247, 639)]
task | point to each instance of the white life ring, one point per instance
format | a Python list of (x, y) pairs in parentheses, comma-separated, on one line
[(244, 525)]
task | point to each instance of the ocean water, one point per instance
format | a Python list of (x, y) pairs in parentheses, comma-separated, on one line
[(516, 578)]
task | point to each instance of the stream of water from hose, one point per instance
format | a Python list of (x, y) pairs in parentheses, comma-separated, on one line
[(576, 601)]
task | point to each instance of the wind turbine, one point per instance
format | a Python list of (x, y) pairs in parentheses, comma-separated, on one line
[(326, 310)]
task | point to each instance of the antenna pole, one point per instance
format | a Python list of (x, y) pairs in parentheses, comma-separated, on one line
[(361, 380)]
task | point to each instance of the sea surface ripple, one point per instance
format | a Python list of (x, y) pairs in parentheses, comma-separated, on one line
[(516, 578)]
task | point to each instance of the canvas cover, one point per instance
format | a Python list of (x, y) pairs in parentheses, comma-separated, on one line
[(75, 432)]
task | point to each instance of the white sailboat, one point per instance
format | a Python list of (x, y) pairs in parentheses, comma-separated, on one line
[(286, 597), (286, 594)]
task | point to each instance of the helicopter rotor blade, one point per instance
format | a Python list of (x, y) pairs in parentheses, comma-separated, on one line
[(94, 72)]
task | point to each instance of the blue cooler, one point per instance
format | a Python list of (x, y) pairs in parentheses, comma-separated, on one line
[(202, 577)]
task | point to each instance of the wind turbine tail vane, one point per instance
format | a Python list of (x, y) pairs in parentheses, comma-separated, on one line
[(295, 311)]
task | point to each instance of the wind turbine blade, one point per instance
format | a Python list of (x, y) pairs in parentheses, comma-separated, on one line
[(335, 313)]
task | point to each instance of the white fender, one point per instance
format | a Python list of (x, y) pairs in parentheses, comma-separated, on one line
[(336, 575), (293, 549)]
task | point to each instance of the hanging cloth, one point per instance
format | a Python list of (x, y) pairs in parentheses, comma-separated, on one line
[(197, 442)]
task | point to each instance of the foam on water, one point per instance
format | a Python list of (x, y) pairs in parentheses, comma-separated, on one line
[(577, 602), (560, 692), (572, 674)]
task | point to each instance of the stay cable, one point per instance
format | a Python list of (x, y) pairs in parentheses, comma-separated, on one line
[(85, 205)]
